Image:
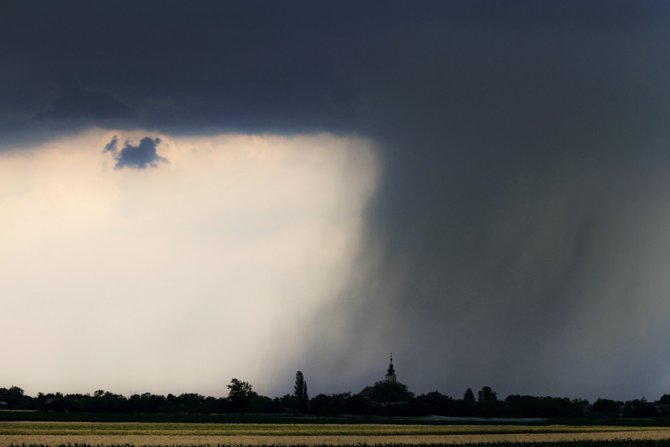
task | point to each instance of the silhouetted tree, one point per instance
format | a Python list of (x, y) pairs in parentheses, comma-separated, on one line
[(608, 407), (466, 406), (434, 403), (300, 391), (487, 402), (387, 392), (544, 407), (13, 396), (335, 404), (286, 403), (261, 404), (469, 396), (239, 394), (357, 404), (639, 408), (486, 394)]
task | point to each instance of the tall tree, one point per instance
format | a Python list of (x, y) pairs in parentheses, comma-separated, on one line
[(300, 388)]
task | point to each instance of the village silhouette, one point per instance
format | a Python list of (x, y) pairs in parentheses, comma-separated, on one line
[(387, 397)]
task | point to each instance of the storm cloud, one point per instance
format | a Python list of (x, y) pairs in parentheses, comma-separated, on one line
[(78, 103), (517, 238)]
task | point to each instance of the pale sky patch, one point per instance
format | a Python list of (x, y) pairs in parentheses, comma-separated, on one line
[(175, 278)]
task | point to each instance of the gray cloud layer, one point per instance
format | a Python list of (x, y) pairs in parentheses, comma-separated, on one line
[(78, 103), (517, 239)]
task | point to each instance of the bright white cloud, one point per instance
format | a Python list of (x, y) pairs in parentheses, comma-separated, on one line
[(175, 278)]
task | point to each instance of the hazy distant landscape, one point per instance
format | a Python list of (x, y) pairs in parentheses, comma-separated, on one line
[(383, 399), (386, 413)]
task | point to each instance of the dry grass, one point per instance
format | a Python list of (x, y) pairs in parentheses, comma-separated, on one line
[(157, 434)]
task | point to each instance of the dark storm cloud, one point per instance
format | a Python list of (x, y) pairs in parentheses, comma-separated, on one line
[(516, 236), (140, 156), (261, 67), (75, 102)]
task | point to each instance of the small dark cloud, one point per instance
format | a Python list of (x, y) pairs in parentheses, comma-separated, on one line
[(138, 156), (111, 146)]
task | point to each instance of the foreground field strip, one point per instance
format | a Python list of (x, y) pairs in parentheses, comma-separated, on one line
[(573, 443), (285, 430), (351, 440)]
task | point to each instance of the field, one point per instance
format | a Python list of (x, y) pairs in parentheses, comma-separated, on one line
[(173, 434)]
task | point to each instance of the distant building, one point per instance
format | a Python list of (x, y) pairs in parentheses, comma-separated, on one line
[(390, 374), (390, 377), (388, 392)]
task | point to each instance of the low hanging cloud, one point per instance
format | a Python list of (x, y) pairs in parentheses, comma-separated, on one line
[(138, 156)]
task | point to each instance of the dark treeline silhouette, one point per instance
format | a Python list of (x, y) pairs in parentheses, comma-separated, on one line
[(384, 398)]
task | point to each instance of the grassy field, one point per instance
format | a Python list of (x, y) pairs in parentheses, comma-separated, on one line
[(172, 434)]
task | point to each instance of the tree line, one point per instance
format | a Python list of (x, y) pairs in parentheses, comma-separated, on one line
[(384, 398)]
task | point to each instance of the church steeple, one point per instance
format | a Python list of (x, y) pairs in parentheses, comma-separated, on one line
[(390, 374)]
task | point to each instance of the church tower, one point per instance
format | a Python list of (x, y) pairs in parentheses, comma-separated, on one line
[(390, 374)]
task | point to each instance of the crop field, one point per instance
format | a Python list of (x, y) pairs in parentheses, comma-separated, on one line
[(182, 434)]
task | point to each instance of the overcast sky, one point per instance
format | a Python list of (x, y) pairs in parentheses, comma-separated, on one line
[(195, 191)]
